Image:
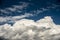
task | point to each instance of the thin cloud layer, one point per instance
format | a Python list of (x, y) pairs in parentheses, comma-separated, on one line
[(15, 8), (18, 9), (23, 7), (14, 18), (25, 29)]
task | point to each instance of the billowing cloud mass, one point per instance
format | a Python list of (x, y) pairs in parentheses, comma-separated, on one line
[(25, 29)]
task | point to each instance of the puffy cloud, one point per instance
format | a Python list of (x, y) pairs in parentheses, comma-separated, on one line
[(25, 29)]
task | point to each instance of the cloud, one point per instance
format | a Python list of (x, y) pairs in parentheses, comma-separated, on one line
[(41, 10), (11, 11), (14, 18), (15, 8), (24, 5), (25, 29)]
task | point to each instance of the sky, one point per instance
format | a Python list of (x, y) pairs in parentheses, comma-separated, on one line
[(29, 9), (29, 19)]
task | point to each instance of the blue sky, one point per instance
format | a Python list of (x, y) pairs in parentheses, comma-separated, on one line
[(29, 19), (36, 9)]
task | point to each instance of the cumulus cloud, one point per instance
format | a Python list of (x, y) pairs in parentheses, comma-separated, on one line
[(25, 29)]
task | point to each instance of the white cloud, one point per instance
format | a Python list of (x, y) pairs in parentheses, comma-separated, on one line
[(25, 29), (15, 8), (24, 5), (14, 18), (41, 10), (22, 16)]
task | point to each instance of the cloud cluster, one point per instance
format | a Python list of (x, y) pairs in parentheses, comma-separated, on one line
[(25, 29)]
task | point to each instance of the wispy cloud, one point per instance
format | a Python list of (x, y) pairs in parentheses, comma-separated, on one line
[(14, 18), (15, 8), (23, 5), (41, 10), (19, 9)]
